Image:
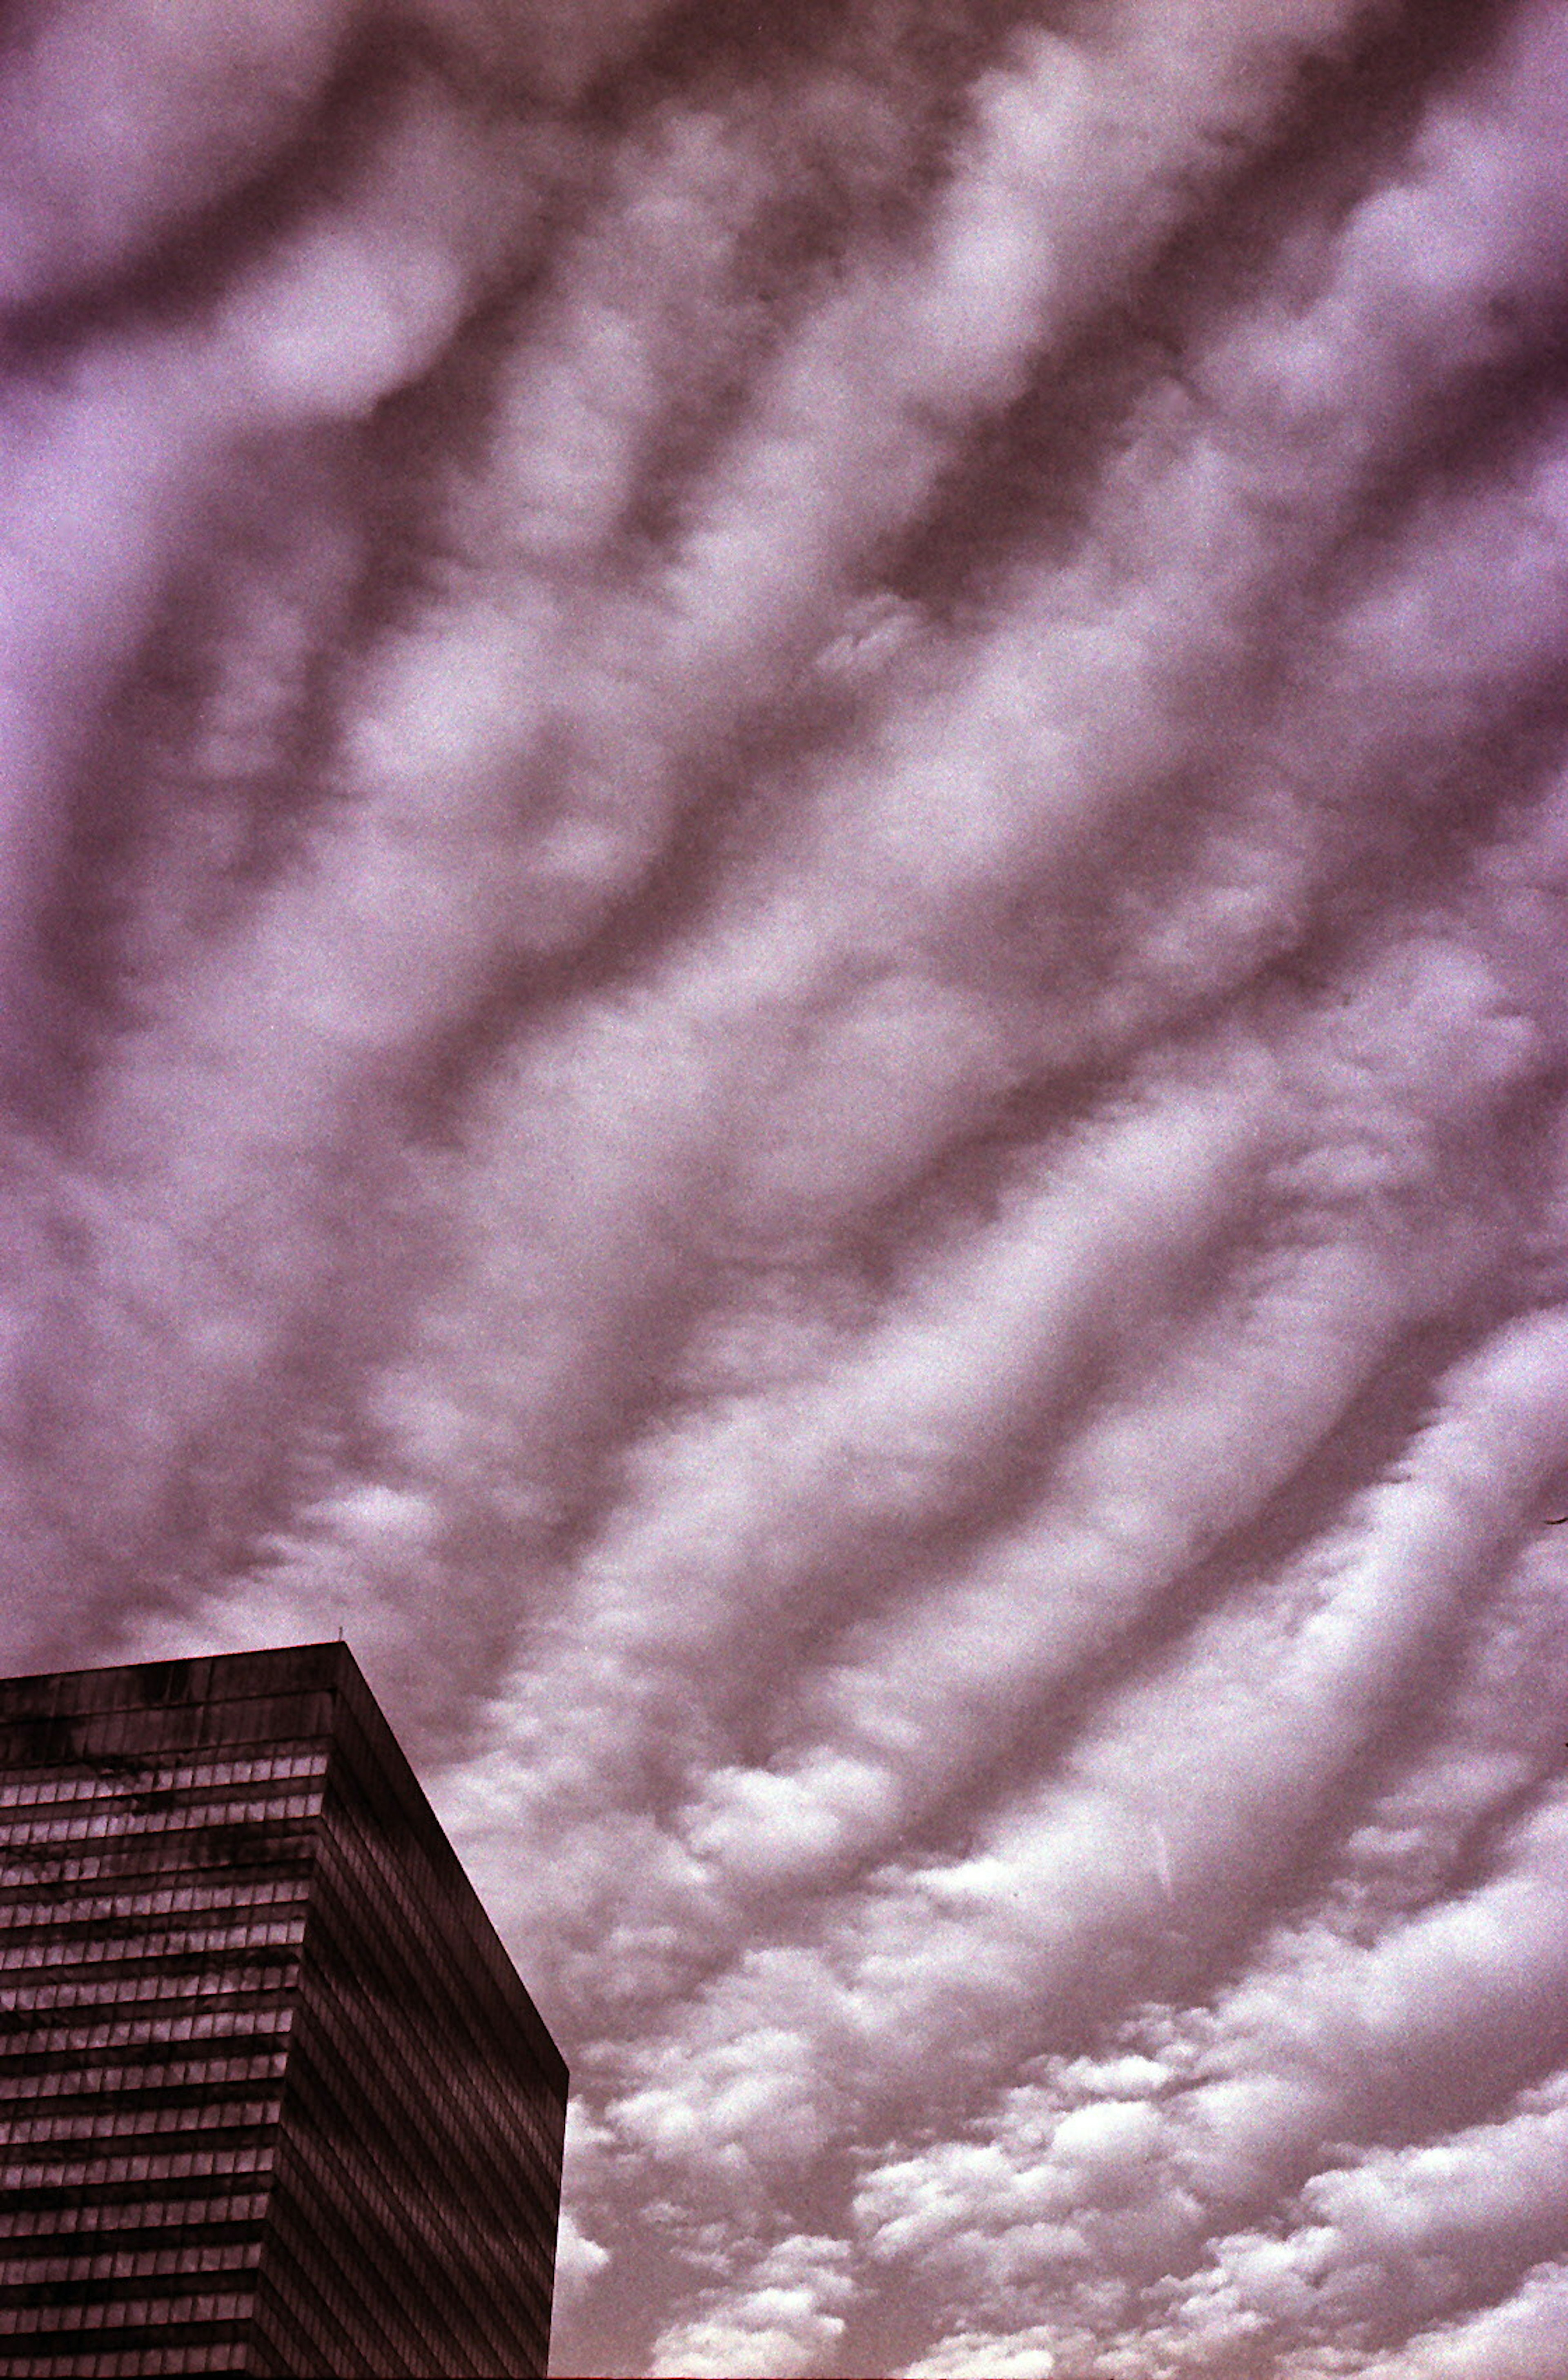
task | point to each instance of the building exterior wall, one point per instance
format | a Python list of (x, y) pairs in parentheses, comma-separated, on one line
[(271, 2096)]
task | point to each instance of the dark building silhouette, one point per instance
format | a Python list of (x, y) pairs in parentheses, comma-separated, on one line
[(271, 2096)]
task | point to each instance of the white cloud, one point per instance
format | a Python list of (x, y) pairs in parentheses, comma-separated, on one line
[(783, 880), (1524, 2338), (1025, 2354), (120, 119), (579, 2262), (781, 2317)]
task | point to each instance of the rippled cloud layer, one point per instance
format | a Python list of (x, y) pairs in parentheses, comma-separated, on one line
[(783, 939)]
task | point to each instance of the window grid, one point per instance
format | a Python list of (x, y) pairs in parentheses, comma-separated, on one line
[(268, 2088)]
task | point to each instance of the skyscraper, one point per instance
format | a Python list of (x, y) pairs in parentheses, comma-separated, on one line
[(272, 2099)]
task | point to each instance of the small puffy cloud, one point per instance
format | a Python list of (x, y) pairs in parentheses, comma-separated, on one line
[(784, 2315), (1026, 2354)]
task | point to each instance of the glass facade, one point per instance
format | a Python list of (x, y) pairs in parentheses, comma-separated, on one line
[(273, 2099)]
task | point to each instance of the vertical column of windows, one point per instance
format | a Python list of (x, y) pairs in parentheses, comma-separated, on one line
[(516, 2118), (388, 2105), (414, 2127)]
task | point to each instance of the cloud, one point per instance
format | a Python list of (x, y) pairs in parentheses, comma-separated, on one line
[(1526, 2335), (780, 921), (780, 2317), (1011, 2355), (578, 2260), (120, 123), (1062, 1893), (1129, 2166)]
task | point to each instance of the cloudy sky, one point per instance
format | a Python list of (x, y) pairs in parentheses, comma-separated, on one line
[(783, 939)]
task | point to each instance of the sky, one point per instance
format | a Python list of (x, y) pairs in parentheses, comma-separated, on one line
[(784, 981)]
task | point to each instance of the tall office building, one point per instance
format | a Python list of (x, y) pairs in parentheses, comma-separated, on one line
[(271, 2096)]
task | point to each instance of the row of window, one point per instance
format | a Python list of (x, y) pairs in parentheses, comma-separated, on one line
[(59, 1868), (128, 2214), (106, 2122), (191, 2257), (68, 2082), (127, 2362), (158, 1776), (126, 2313), (249, 1933), (161, 2026), (115, 1714), (153, 1900), (171, 2165), (118, 1991), (109, 1823)]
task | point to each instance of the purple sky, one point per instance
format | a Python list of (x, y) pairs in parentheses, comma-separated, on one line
[(783, 928)]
